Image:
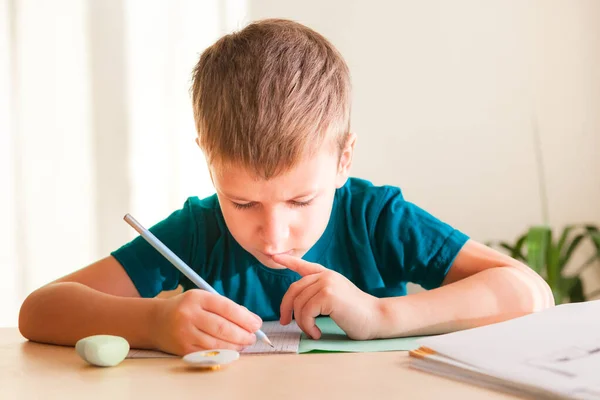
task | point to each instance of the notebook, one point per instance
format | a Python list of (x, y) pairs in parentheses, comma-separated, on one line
[(285, 339), (334, 339), (290, 339), (554, 353)]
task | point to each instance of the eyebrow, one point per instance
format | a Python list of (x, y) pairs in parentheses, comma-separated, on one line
[(304, 194)]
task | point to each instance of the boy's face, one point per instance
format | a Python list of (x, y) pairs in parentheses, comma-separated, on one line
[(285, 214)]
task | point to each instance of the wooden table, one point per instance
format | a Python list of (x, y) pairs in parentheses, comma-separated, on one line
[(36, 371)]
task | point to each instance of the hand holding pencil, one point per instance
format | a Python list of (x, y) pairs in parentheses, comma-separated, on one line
[(199, 319)]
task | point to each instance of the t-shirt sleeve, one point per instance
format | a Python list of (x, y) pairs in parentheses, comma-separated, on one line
[(412, 244), (149, 270)]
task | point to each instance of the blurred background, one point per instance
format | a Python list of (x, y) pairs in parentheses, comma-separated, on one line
[(485, 113)]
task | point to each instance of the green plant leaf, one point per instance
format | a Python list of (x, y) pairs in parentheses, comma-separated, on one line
[(575, 291), (586, 264), (515, 251), (592, 228), (518, 250), (563, 237), (507, 246), (568, 283), (594, 234), (558, 295), (570, 249), (538, 241), (553, 265)]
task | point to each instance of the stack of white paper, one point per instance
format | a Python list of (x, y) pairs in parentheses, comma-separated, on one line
[(554, 353)]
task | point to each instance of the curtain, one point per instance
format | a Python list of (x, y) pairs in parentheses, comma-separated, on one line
[(96, 122)]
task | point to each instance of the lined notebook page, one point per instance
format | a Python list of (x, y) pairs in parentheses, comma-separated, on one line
[(286, 339)]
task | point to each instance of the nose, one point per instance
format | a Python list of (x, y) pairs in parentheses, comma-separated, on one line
[(274, 231)]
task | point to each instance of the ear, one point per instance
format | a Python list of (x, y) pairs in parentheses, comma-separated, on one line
[(345, 161)]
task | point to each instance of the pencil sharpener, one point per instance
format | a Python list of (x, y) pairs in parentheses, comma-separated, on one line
[(211, 359)]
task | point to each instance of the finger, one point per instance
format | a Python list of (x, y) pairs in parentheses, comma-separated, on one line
[(223, 329), (287, 302), (298, 265), (231, 311), (303, 316), (205, 341), (311, 310)]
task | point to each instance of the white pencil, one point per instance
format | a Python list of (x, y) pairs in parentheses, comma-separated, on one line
[(180, 265)]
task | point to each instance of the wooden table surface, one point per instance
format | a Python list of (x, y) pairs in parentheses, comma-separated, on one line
[(36, 371)]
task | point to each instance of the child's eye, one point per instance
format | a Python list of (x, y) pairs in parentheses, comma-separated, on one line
[(243, 206), (301, 203)]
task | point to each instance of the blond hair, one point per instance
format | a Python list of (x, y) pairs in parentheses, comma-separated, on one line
[(270, 94)]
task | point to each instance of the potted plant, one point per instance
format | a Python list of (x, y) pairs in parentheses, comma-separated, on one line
[(549, 257)]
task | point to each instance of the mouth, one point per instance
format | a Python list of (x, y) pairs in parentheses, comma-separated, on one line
[(270, 255)]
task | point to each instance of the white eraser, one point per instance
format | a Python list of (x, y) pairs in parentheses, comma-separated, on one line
[(103, 350)]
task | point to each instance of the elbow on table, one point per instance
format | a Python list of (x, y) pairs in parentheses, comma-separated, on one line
[(538, 295)]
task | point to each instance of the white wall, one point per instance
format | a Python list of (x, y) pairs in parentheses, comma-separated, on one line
[(95, 122), (94, 98), (447, 95)]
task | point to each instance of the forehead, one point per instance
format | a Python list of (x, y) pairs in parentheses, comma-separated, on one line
[(310, 174)]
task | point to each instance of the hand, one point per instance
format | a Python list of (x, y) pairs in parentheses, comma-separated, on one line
[(321, 291), (199, 320)]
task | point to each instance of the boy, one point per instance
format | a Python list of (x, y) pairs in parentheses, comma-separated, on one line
[(288, 232)]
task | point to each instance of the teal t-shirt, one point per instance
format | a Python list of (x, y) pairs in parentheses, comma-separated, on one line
[(374, 237)]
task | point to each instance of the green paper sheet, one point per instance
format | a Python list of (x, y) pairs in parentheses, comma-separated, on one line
[(333, 339)]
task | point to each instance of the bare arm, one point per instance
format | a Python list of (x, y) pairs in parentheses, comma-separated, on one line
[(483, 286), (99, 299)]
